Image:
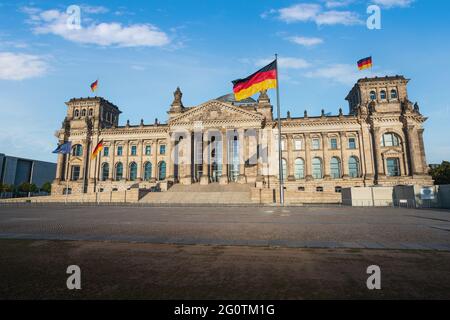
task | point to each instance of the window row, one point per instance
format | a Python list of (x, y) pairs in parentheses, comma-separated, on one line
[(316, 144), (83, 112), (132, 172), (317, 168), (77, 150), (383, 94)]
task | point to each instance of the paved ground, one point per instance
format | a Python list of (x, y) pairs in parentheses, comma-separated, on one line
[(223, 253), (329, 227), (32, 269)]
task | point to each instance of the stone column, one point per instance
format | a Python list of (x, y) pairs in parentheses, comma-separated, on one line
[(413, 153), (224, 177), (308, 175), (125, 165), (186, 158), (204, 179), (60, 165), (85, 162), (344, 156), (423, 159), (290, 158), (169, 157), (140, 162), (367, 152), (325, 161), (155, 160), (259, 163), (242, 178), (378, 156), (112, 154)]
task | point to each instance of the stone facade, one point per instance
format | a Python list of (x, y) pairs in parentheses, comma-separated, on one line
[(379, 142)]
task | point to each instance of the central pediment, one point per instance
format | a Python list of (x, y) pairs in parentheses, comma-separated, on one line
[(213, 111)]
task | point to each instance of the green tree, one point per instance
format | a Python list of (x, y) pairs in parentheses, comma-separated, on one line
[(28, 187), (441, 174), (5, 188), (47, 187)]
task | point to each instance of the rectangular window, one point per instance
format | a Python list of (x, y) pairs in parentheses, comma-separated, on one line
[(315, 144), (298, 144), (75, 173), (162, 149), (148, 150), (393, 167), (352, 143), (133, 150), (105, 151), (333, 144), (119, 150)]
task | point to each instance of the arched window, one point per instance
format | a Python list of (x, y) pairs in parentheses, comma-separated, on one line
[(133, 171), (393, 167), (77, 150), (353, 167), (105, 171), (91, 112), (390, 140), (335, 168), (162, 170), (383, 95), (373, 95), (119, 171), (83, 112), (317, 168), (299, 168), (147, 171), (284, 166), (394, 94), (77, 113)]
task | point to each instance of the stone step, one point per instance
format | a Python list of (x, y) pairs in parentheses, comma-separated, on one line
[(212, 187), (197, 197)]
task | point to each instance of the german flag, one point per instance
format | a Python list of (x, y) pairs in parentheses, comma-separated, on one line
[(97, 149), (94, 85), (365, 63), (263, 79)]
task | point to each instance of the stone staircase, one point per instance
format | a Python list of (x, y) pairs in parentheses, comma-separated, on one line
[(212, 193)]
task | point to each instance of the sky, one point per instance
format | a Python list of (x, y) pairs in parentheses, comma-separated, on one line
[(140, 51)]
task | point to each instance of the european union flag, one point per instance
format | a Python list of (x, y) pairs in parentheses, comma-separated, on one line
[(63, 148)]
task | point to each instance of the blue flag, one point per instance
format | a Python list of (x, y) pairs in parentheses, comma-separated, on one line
[(63, 148)]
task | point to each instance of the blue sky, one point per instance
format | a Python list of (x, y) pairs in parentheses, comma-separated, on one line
[(142, 50)]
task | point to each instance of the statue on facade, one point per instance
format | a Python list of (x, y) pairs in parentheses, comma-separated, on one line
[(177, 95)]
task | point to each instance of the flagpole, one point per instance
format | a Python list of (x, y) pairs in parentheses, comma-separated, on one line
[(280, 163)]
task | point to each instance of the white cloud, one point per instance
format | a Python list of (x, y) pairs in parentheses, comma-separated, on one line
[(103, 34), (94, 9), (340, 73), (394, 3), (313, 12), (347, 18), (19, 66), (306, 41), (286, 63), (299, 12), (337, 3)]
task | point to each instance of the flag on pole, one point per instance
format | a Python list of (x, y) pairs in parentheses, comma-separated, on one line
[(94, 85), (365, 63), (63, 148), (263, 79), (97, 149)]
